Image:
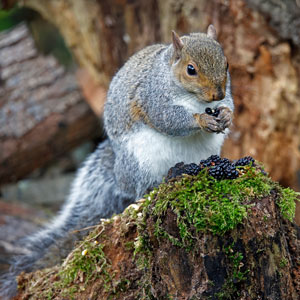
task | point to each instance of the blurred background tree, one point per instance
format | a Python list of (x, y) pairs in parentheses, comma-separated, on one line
[(92, 39)]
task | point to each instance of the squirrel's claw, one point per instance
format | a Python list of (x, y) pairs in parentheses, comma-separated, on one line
[(208, 123), (225, 117), (213, 126)]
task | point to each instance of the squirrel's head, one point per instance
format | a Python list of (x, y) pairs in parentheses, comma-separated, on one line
[(199, 64)]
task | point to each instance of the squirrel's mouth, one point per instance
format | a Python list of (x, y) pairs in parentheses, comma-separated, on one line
[(203, 98), (209, 98)]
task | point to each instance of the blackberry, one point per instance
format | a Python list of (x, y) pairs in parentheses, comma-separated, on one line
[(220, 168), (205, 163), (213, 112), (215, 158), (245, 161), (223, 171), (191, 169), (231, 172), (217, 167), (211, 161), (217, 172), (181, 168), (224, 163), (216, 112), (208, 110)]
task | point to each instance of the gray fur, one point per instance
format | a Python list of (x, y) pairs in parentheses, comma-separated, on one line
[(141, 146)]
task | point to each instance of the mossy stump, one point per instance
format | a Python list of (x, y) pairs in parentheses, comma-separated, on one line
[(256, 260), (192, 238)]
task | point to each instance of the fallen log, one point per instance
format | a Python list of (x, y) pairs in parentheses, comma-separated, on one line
[(42, 111)]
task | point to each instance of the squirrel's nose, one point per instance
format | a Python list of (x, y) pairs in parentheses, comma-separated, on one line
[(218, 94)]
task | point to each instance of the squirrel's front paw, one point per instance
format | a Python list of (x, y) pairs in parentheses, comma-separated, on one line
[(224, 117), (215, 122), (208, 123)]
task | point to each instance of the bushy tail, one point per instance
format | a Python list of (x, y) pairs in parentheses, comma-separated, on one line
[(94, 195)]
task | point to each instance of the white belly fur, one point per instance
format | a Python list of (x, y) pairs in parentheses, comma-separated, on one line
[(157, 153)]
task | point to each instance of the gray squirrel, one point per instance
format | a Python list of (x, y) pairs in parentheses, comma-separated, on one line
[(154, 117)]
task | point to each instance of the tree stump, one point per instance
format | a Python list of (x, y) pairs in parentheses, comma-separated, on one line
[(192, 238)]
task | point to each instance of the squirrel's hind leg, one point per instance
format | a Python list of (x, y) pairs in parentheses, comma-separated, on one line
[(132, 178)]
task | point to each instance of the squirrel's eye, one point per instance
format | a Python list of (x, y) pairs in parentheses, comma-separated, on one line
[(191, 70)]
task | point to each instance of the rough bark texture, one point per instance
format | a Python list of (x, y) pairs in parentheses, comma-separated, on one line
[(263, 54), (42, 111), (284, 16), (206, 271), (257, 260)]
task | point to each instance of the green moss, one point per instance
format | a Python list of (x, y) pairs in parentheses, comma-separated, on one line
[(49, 295), (12, 17), (237, 274), (89, 266), (283, 263), (205, 204), (287, 202), (129, 246), (217, 206), (142, 250), (86, 263), (236, 263)]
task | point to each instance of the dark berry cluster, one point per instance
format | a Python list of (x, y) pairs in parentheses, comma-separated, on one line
[(192, 169), (223, 171), (245, 161), (214, 112), (219, 168)]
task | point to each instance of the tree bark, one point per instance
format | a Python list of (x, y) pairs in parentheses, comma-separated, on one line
[(42, 111)]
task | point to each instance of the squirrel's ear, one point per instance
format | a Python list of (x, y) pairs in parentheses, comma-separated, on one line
[(177, 42), (211, 32)]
